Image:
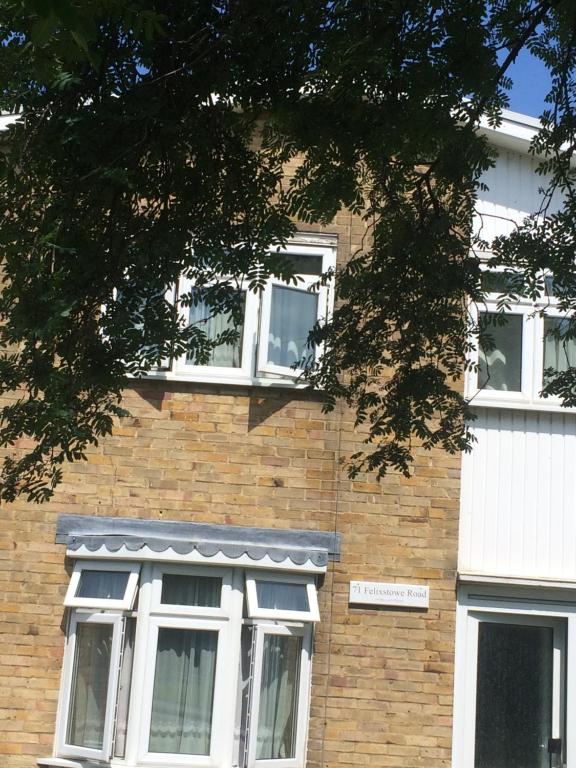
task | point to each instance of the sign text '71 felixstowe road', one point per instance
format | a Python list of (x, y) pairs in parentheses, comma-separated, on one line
[(379, 593)]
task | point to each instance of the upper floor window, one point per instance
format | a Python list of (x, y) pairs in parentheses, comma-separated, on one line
[(270, 344), (519, 349)]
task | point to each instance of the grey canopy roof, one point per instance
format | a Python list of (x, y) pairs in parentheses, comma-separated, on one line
[(232, 541)]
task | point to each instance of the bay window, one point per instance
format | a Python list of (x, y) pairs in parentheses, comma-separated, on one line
[(165, 664)]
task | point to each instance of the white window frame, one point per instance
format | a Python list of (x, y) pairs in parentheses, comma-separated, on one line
[(249, 334), (528, 398), (123, 604), (222, 723), (256, 612), (151, 615), (303, 701), (508, 605), (255, 369), (306, 283), (157, 606), (64, 713)]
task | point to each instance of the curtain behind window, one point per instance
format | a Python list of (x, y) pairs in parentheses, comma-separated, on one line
[(90, 685), (292, 317), (224, 355), (183, 691), (276, 737), (559, 354)]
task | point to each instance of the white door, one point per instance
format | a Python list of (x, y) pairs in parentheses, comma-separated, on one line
[(518, 666)]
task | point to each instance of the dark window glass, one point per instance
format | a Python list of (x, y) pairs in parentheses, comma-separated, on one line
[(514, 696)]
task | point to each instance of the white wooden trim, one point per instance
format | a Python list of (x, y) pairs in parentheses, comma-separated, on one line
[(479, 578), (123, 604)]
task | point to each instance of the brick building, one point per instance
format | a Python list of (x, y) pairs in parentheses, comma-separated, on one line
[(184, 598), (201, 535)]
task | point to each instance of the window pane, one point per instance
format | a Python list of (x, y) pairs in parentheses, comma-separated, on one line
[(89, 685), (304, 264), (278, 714), (514, 696), (287, 597), (102, 585), (224, 355), (202, 591), (292, 317), (559, 354), (502, 282), (500, 361), (183, 692)]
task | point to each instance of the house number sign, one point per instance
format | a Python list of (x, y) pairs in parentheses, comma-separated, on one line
[(380, 593)]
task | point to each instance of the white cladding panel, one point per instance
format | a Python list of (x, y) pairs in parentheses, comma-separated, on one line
[(518, 511), (514, 191)]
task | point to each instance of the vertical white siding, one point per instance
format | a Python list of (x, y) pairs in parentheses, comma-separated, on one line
[(519, 496), (514, 192)]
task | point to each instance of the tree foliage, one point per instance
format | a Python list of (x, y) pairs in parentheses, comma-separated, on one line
[(152, 142)]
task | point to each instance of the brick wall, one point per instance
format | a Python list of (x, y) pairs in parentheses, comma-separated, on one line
[(382, 678)]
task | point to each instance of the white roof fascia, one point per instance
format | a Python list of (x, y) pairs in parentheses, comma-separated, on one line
[(515, 132)]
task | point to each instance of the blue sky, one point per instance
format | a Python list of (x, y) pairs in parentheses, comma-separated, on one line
[(531, 84)]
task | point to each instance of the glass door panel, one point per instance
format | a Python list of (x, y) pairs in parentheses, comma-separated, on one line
[(517, 698)]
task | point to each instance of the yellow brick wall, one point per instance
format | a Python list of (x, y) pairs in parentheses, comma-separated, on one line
[(382, 678)]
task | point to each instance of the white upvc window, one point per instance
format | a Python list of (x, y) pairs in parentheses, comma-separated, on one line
[(185, 692), (166, 683), (89, 684), (280, 696), (289, 312), (103, 585), (229, 360), (272, 596), (271, 340), (519, 353)]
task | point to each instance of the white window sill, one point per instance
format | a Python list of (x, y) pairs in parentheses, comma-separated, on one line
[(237, 381), (59, 762), (518, 402)]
